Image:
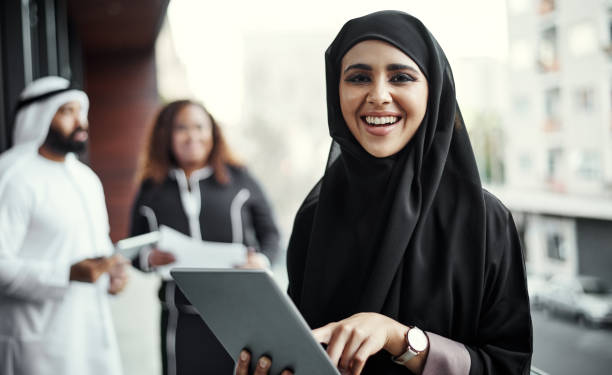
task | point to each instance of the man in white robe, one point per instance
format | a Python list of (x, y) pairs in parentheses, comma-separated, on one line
[(56, 259)]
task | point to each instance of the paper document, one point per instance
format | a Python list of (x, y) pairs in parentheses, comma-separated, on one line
[(130, 247), (193, 253)]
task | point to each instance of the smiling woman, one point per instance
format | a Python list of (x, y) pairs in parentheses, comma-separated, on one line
[(398, 258), (191, 182)]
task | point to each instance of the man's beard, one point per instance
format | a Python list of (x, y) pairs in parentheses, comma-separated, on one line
[(61, 144)]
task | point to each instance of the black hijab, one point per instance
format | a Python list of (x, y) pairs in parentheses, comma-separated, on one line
[(372, 208), (406, 235)]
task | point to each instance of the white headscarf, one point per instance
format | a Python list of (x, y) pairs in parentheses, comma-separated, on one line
[(33, 121)]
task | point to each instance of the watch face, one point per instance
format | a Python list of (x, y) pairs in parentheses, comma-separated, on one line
[(417, 339)]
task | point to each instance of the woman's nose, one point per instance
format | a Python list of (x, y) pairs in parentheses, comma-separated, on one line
[(379, 93), (195, 133)]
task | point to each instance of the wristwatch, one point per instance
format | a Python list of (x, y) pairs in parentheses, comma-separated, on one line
[(416, 341)]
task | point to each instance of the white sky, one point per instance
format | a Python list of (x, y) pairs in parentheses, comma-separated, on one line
[(209, 35)]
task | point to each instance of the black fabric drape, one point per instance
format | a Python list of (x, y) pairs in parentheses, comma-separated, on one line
[(412, 235)]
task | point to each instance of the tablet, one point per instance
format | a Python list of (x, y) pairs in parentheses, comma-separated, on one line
[(246, 309), (130, 247)]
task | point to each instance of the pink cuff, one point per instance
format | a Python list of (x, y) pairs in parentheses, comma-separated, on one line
[(446, 357)]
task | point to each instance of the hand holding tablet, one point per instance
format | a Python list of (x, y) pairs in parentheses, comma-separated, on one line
[(246, 309)]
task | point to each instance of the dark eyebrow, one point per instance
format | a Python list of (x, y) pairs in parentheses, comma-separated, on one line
[(402, 67), (358, 66), (390, 67)]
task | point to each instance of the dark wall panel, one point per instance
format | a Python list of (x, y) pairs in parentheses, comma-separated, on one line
[(13, 67), (595, 248)]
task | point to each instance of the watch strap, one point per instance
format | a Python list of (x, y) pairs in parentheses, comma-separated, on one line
[(403, 358), (410, 351)]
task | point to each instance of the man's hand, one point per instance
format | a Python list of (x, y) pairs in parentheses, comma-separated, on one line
[(118, 274), (160, 258), (90, 269)]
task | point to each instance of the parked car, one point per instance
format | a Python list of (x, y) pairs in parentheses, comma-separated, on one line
[(585, 298), (537, 285)]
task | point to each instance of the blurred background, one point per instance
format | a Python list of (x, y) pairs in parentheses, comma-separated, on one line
[(534, 82)]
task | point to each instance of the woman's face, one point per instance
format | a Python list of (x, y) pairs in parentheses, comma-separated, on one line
[(192, 138), (383, 96)]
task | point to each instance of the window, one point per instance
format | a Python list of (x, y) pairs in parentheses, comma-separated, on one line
[(593, 285), (607, 39), (584, 99), (610, 24), (548, 53), (552, 101), (554, 162), (589, 165), (555, 246)]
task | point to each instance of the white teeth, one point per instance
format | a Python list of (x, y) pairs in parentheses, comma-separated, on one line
[(374, 120)]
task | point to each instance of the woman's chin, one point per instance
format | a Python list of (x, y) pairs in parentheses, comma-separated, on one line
[(195, 162), (382, 151)]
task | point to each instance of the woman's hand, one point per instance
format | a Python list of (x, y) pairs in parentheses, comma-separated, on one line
[(263, 365), (160, 258), (350, 342), (255, 261)]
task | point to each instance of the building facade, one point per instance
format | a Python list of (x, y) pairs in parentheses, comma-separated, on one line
[(558, 154)]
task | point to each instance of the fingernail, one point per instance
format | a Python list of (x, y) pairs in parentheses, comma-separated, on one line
[(243, 356), (264, 363)]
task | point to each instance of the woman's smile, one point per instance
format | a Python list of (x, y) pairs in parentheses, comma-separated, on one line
[(380, 124)]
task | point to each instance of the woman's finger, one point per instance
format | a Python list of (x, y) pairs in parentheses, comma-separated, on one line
[(350, 348), (367, 348), (242, 368), (323, 334), (263, 365), (335, 347)]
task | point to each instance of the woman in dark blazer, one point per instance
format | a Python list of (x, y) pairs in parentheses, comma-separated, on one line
[(191, 182)]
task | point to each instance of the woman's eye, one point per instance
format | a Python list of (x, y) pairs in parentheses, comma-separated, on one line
[(358, 78), (402, 77)]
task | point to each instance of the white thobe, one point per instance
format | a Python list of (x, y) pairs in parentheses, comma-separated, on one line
[(52, 215)]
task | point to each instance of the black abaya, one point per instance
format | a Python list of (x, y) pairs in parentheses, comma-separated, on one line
[(412, 236)]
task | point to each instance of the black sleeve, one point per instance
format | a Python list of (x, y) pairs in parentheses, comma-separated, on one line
[(138, 222), (505, 341), (266, 231)]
